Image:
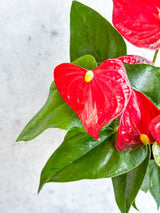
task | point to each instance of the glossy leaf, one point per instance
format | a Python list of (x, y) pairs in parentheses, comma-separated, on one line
[(86, 61), (145, 78), (82, 157), (126, 186), (156, 153), (138, 21), (154, 172), (134, 205), (92, 34), (146, 182), (55, 113), (99, 100)]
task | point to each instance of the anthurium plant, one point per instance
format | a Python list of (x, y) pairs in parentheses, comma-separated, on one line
[(108, 101)]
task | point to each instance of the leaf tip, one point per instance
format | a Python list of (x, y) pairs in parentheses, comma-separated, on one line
[(41, 184), (39, 189), (74, 2), (18, 138)]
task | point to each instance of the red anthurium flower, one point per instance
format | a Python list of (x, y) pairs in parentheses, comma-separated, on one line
[(139, 123), (134, 59), (138, 21), (155, 128), (97, 96)]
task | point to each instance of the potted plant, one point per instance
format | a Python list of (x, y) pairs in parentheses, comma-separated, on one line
[(108, 101)]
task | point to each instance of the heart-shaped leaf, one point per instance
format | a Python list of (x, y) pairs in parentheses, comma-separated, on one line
[(99, 100), (126, 186), (82, 157), (92, 34)]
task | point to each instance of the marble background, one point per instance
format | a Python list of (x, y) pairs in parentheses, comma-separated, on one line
[(34, 38)]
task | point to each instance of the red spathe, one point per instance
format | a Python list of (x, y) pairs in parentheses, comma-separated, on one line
[(96, 102), (138, 21), (134, 59), (155, 128), (136, 120)]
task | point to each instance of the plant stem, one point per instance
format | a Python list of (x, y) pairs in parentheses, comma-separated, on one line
[(155, 56)]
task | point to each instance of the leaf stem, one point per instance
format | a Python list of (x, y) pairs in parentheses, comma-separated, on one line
[(155, 56)]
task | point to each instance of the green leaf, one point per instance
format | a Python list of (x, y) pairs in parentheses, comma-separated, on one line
[(152, 181), (154, 172), (126, 186), (134, 205), (86, 61), (55, 113), (146, 182), (146, 79), (92, 34), (156, 153), (82, 157)]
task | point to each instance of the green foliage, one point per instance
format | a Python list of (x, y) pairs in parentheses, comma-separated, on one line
[(156, 153), (92, 34), (154, 187), (134, 205), (146, 79), (152, 181), (82, 157), (126, 186), (86, 61), (145, 184), (55, 113)]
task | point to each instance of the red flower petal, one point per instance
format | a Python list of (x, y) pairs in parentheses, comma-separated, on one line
[(155, 128), (134, 59), (138, 21), (96, 102), (135, 120)]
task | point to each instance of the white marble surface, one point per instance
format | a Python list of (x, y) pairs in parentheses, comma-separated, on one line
[(34, 38)]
